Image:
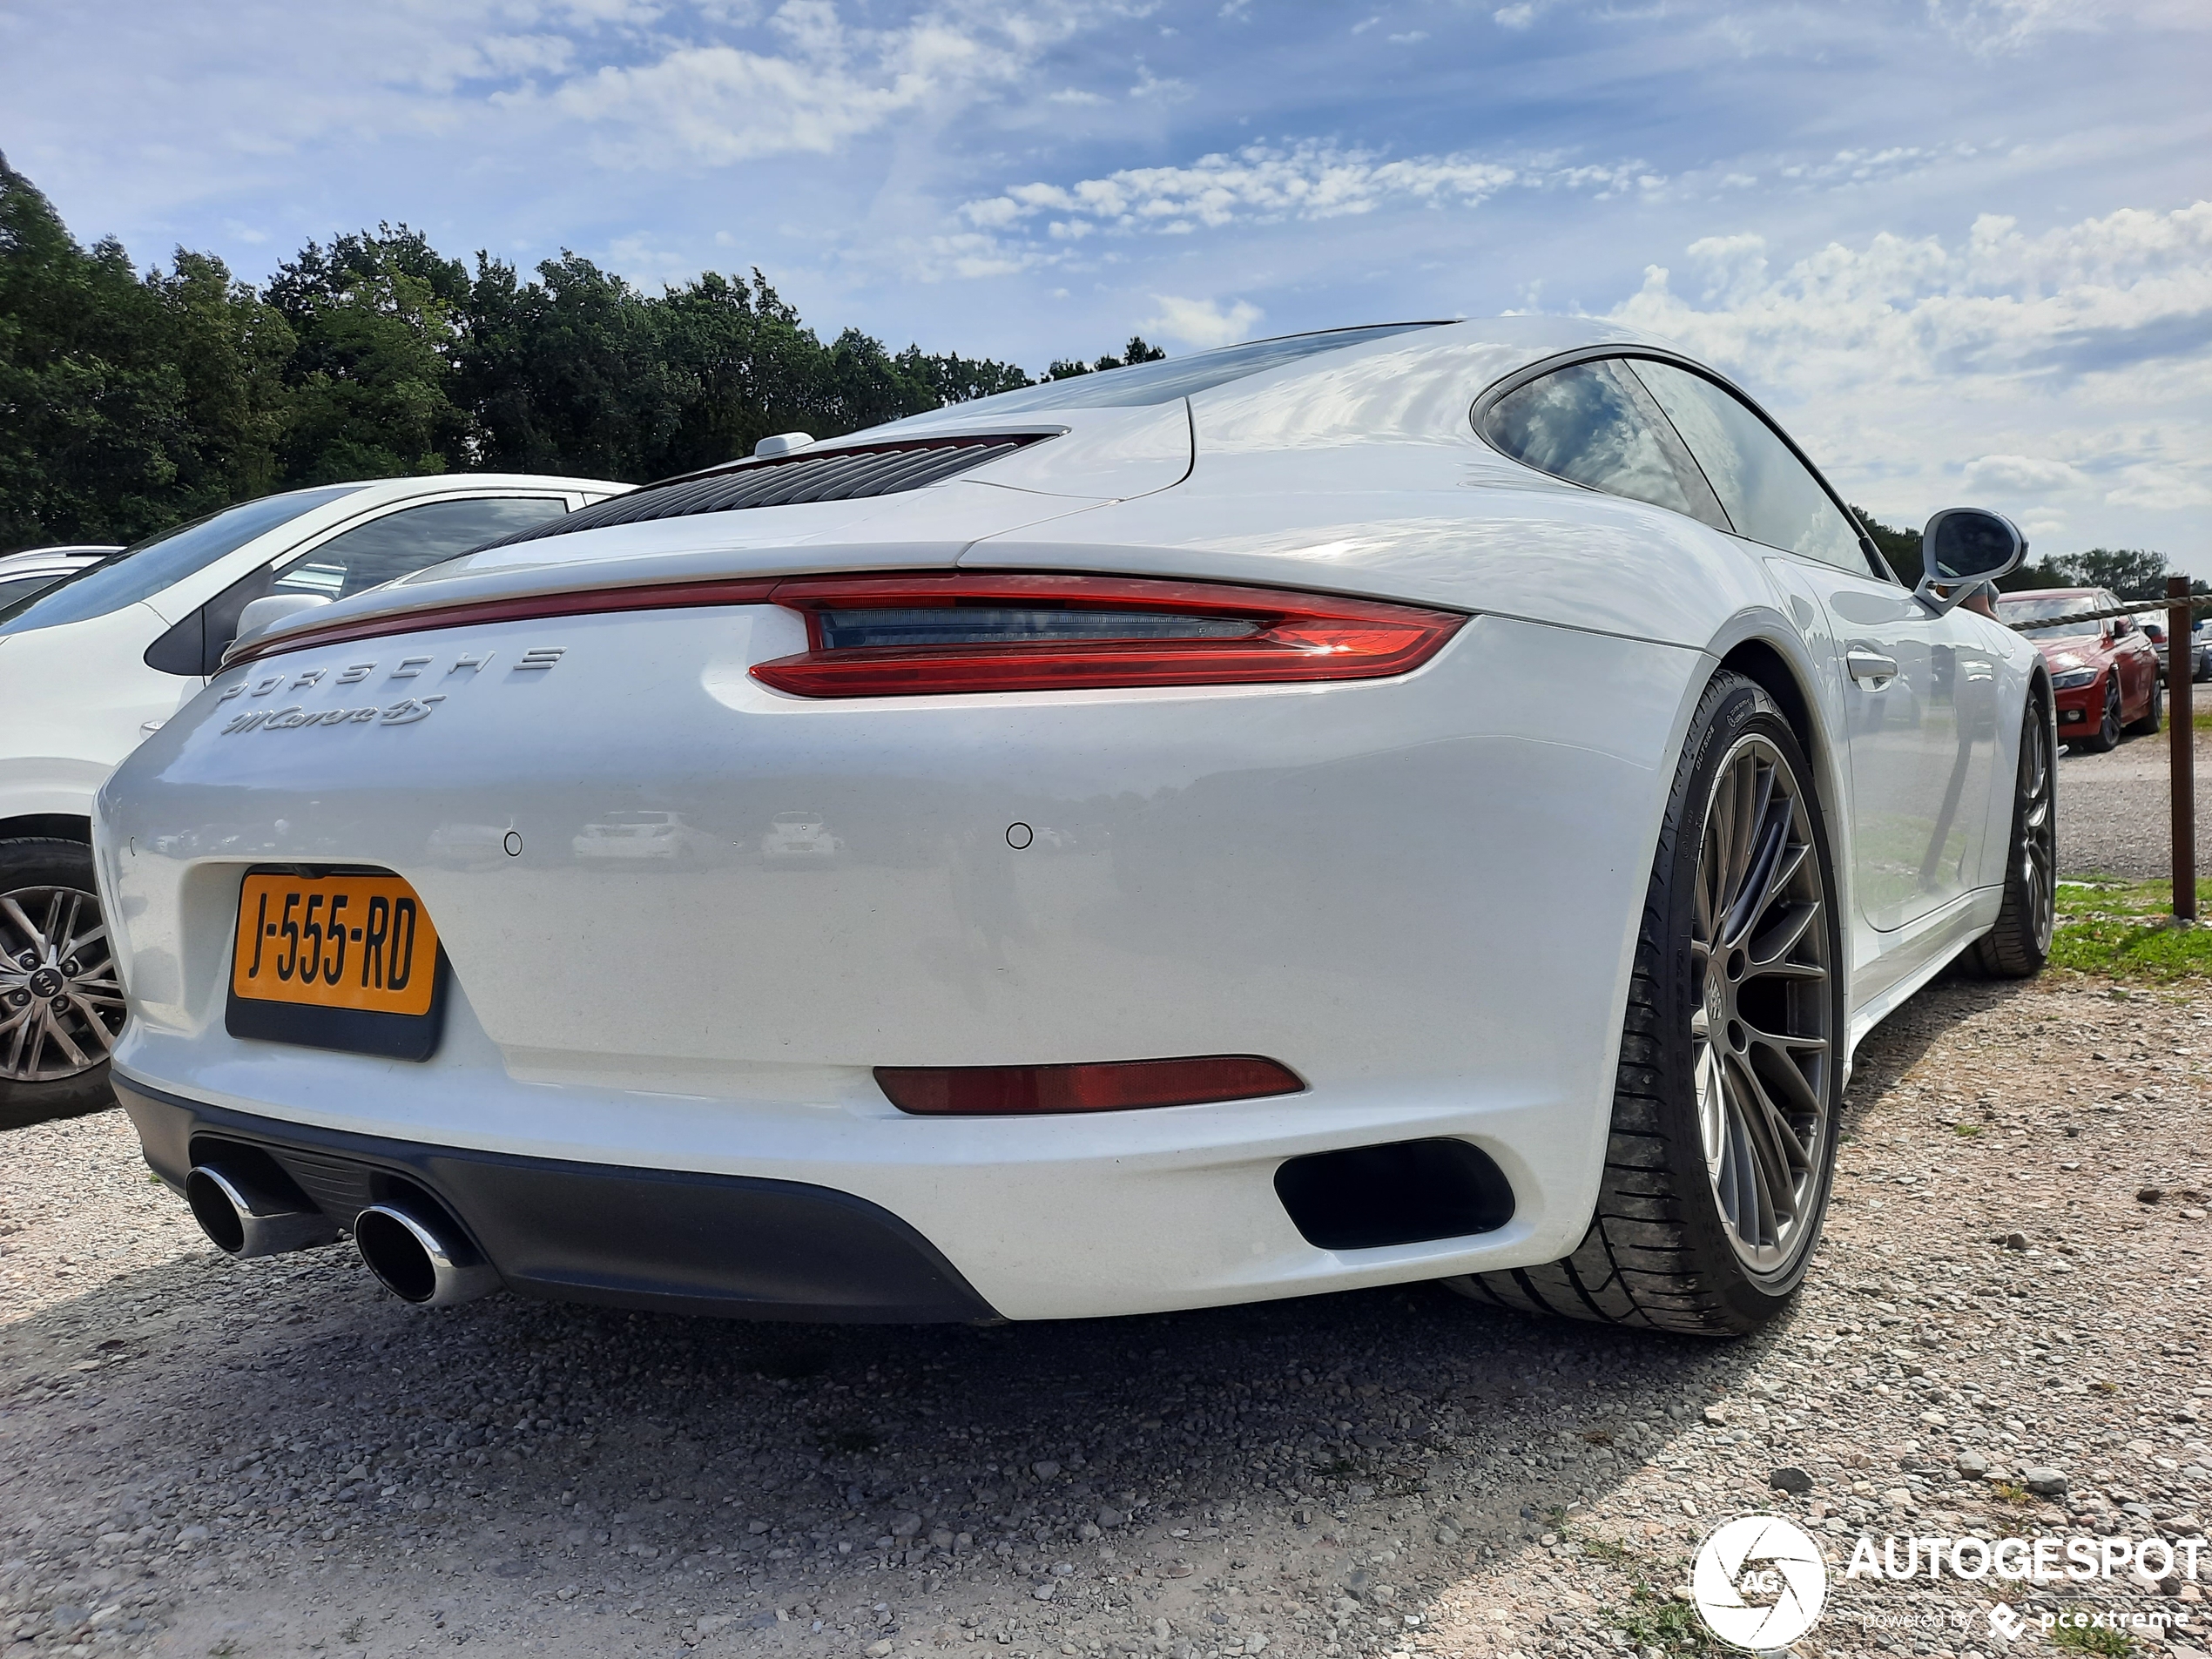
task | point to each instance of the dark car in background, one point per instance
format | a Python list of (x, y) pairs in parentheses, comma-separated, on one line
[(2104, 671)]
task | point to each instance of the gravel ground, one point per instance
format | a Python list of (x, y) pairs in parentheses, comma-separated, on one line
[(2116, 810), (276, 1458)]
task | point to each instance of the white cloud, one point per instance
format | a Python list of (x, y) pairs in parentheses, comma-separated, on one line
[(1161, 89), (2064, 369), (716, 104), (2023, 475), (1311, 180), (1201, 323), (1518, 17)]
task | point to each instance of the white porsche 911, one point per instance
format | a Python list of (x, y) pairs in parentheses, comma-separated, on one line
[(1424, 801)]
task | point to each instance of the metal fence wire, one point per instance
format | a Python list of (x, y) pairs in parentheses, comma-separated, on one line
[(2199, 603)]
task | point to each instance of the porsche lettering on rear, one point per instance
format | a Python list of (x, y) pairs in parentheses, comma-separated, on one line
[(406, 711)]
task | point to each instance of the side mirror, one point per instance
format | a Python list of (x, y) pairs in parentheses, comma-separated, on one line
[(274, 608), (2122, 626), (1963, 549)]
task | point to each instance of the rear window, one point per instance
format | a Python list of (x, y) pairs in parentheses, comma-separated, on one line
[(1174, 377), (141, 572)]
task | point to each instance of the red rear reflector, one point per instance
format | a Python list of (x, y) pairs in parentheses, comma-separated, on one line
[(1046, 633), (1118, 1086)]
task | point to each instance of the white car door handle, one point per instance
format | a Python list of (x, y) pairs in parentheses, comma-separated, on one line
[(1869, 666)]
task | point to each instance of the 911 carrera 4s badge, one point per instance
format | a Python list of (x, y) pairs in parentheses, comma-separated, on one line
[(408, 711)]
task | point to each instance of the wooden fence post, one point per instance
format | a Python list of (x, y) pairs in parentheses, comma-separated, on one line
[(2180, 664)]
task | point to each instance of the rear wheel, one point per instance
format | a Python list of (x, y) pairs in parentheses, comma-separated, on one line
[(2105, 738), (61, 1003), (1722, 1144), (2020, 944), (2154, 714)]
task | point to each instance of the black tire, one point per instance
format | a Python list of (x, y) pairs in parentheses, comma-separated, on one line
[(2154, 717), (2020, 944), (1658, 1253), (2105, 738), (32, 869)]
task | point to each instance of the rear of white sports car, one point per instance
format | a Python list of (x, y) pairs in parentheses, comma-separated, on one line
[(1126, 872)]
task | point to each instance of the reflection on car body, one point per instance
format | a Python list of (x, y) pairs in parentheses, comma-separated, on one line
[(643, 837), (799, 837)]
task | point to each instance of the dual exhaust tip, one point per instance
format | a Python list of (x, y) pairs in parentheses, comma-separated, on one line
[(409, 1243)]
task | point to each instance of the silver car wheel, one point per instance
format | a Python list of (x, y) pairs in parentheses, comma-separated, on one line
[(61, 1003), (1760, 1028), (2038, 849)]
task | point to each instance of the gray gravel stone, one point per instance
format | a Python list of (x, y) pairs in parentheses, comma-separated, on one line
[(2114, 817)]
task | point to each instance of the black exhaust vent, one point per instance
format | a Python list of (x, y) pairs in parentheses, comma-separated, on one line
[(846, 474), (1408, 1192)]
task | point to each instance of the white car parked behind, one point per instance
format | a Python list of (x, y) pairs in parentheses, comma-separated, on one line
[(36, 569), (92, 664)]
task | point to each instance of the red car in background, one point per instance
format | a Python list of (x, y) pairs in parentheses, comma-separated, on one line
[(2104, 674)]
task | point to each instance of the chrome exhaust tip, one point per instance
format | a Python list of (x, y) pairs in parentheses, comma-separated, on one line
[(420, 1256), (243, 1218)]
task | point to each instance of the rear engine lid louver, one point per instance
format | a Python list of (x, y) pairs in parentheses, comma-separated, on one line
[(846, 474)]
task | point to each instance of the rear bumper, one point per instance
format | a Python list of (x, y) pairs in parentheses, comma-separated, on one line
[(672, 1241)]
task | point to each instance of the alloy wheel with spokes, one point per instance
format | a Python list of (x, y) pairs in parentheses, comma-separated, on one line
[(2035, 853), (2108, 737), (1722, 1144), (61, 1002), (1760, 1025), (2020, 944)]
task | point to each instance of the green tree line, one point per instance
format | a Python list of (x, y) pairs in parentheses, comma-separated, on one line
[(132, 401)]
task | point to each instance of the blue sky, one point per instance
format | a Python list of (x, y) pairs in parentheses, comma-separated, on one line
[(1963, 246)]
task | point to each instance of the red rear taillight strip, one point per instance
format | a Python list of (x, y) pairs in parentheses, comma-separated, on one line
[(1117, 1085), (1292, 637)]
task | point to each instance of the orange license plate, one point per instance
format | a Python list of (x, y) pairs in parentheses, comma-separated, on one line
[(336, 961), (335, 942)]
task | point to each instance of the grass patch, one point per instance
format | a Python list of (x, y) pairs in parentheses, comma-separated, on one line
[(1604, 1549), (2009, 1491), (2077, 1638), (1966, 1131), (1651, 1619), (2125, 930)]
